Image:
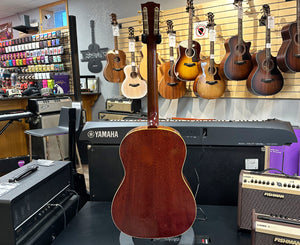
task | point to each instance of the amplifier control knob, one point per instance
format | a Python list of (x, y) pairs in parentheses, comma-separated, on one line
[(272, 183), (298, 186), (268, 183)]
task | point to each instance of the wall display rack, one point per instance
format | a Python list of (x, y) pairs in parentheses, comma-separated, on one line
[(226, 18)]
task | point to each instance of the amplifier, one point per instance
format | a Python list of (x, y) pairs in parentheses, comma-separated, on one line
[(268, 229), (25, 192), (267, 193), (123, 105), (109, 115), (48, 104)]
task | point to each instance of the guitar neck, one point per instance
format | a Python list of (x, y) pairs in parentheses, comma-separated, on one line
[(298, 17), (268, 41), (212, 55), (171, 61), (93, 35), (133, 67), (240, 23), (116, 42), (190, 38)]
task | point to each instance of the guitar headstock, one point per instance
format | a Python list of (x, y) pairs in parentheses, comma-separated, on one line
[(92, 24), (265, 13), (211, 21), (131, 32), (266, 9), (189, 5), (170, 27), (150, 12), (237, 3), (114, 19)]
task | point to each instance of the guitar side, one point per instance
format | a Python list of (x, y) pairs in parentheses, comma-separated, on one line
[(166, 88), (154, 212), (133, 87), (187, 67), (288, 57), (114, 68), (263, 80), (236, 65)]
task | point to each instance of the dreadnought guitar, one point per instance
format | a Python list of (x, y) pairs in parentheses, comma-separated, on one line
[(169, 86), (154, 199), (116, 59), (288, 57), (187, 66), (94, 63), (210, 84), (133, 87), (265, 78), (236, 64)]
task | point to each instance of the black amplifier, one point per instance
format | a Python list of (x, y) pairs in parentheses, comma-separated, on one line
[(24, 194), (268, 229), (267, 193)]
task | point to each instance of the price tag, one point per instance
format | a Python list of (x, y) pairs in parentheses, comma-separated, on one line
[(132, 63), (131, 46), (240, 12), (116, 51), (212, 56), (271, 22), (116, 31), (268, 45), (172, 58), (212, 35), (172, 40)]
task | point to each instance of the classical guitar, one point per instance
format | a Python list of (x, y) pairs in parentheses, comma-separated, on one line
[(236, 64), (265, 78), (154, 199), (94, 63), (143, 64), (133, 87), (169, 86), (288, 57), (116, 59), (187, 66), (210, 84)]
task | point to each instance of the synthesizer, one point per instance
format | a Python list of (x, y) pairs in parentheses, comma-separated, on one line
[(269, 132)]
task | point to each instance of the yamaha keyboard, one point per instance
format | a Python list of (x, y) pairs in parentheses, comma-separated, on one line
[(269, 132)]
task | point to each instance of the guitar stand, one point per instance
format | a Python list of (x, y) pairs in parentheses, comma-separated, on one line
[(187, 238)]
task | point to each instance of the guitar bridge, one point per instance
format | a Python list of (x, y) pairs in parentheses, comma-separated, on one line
[(189, 64), (240, 62)]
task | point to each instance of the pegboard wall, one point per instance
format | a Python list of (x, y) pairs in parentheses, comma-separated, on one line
[(226, 19)]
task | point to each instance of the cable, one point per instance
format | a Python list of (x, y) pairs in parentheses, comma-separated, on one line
[(64, 212), (78, 199)]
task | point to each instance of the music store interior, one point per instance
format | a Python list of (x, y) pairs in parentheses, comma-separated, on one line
[(133, 122)]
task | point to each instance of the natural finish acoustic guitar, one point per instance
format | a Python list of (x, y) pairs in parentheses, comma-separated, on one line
[(154, 199), (169, 86), (210, 84), (133, 87), (116, 59)]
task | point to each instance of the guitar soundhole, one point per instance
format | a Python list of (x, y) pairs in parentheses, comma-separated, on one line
[(240, 49), (117, 59), (212, 70), (268, 65), (133, 74), (190, 52)]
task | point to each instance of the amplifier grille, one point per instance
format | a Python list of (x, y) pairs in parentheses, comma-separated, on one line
[(288, 206)]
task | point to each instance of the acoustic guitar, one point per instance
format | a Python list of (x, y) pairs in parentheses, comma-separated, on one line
[(187, 66), (265, 78), (210, 84), (154, 199), (133, 87), (288, 57), (169, 86), (94, 63), (236, 64), (116, 59)]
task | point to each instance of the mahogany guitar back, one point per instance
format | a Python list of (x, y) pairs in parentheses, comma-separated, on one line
[(156, 210)]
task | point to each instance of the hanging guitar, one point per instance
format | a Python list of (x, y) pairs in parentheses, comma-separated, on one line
[(210, 84), (153, 200), (169, 86), (265, 78), (94, 62), (116, 59), (133, 87), (187, 66), (236, 64), (288, 57)]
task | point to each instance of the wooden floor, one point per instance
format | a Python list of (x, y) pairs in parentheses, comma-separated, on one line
[(85, 170)]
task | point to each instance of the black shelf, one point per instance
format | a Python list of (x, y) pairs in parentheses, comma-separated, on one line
[(25, 29)]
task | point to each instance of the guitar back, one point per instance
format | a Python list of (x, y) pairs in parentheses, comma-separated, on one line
[(154, 200), (114, 68)]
